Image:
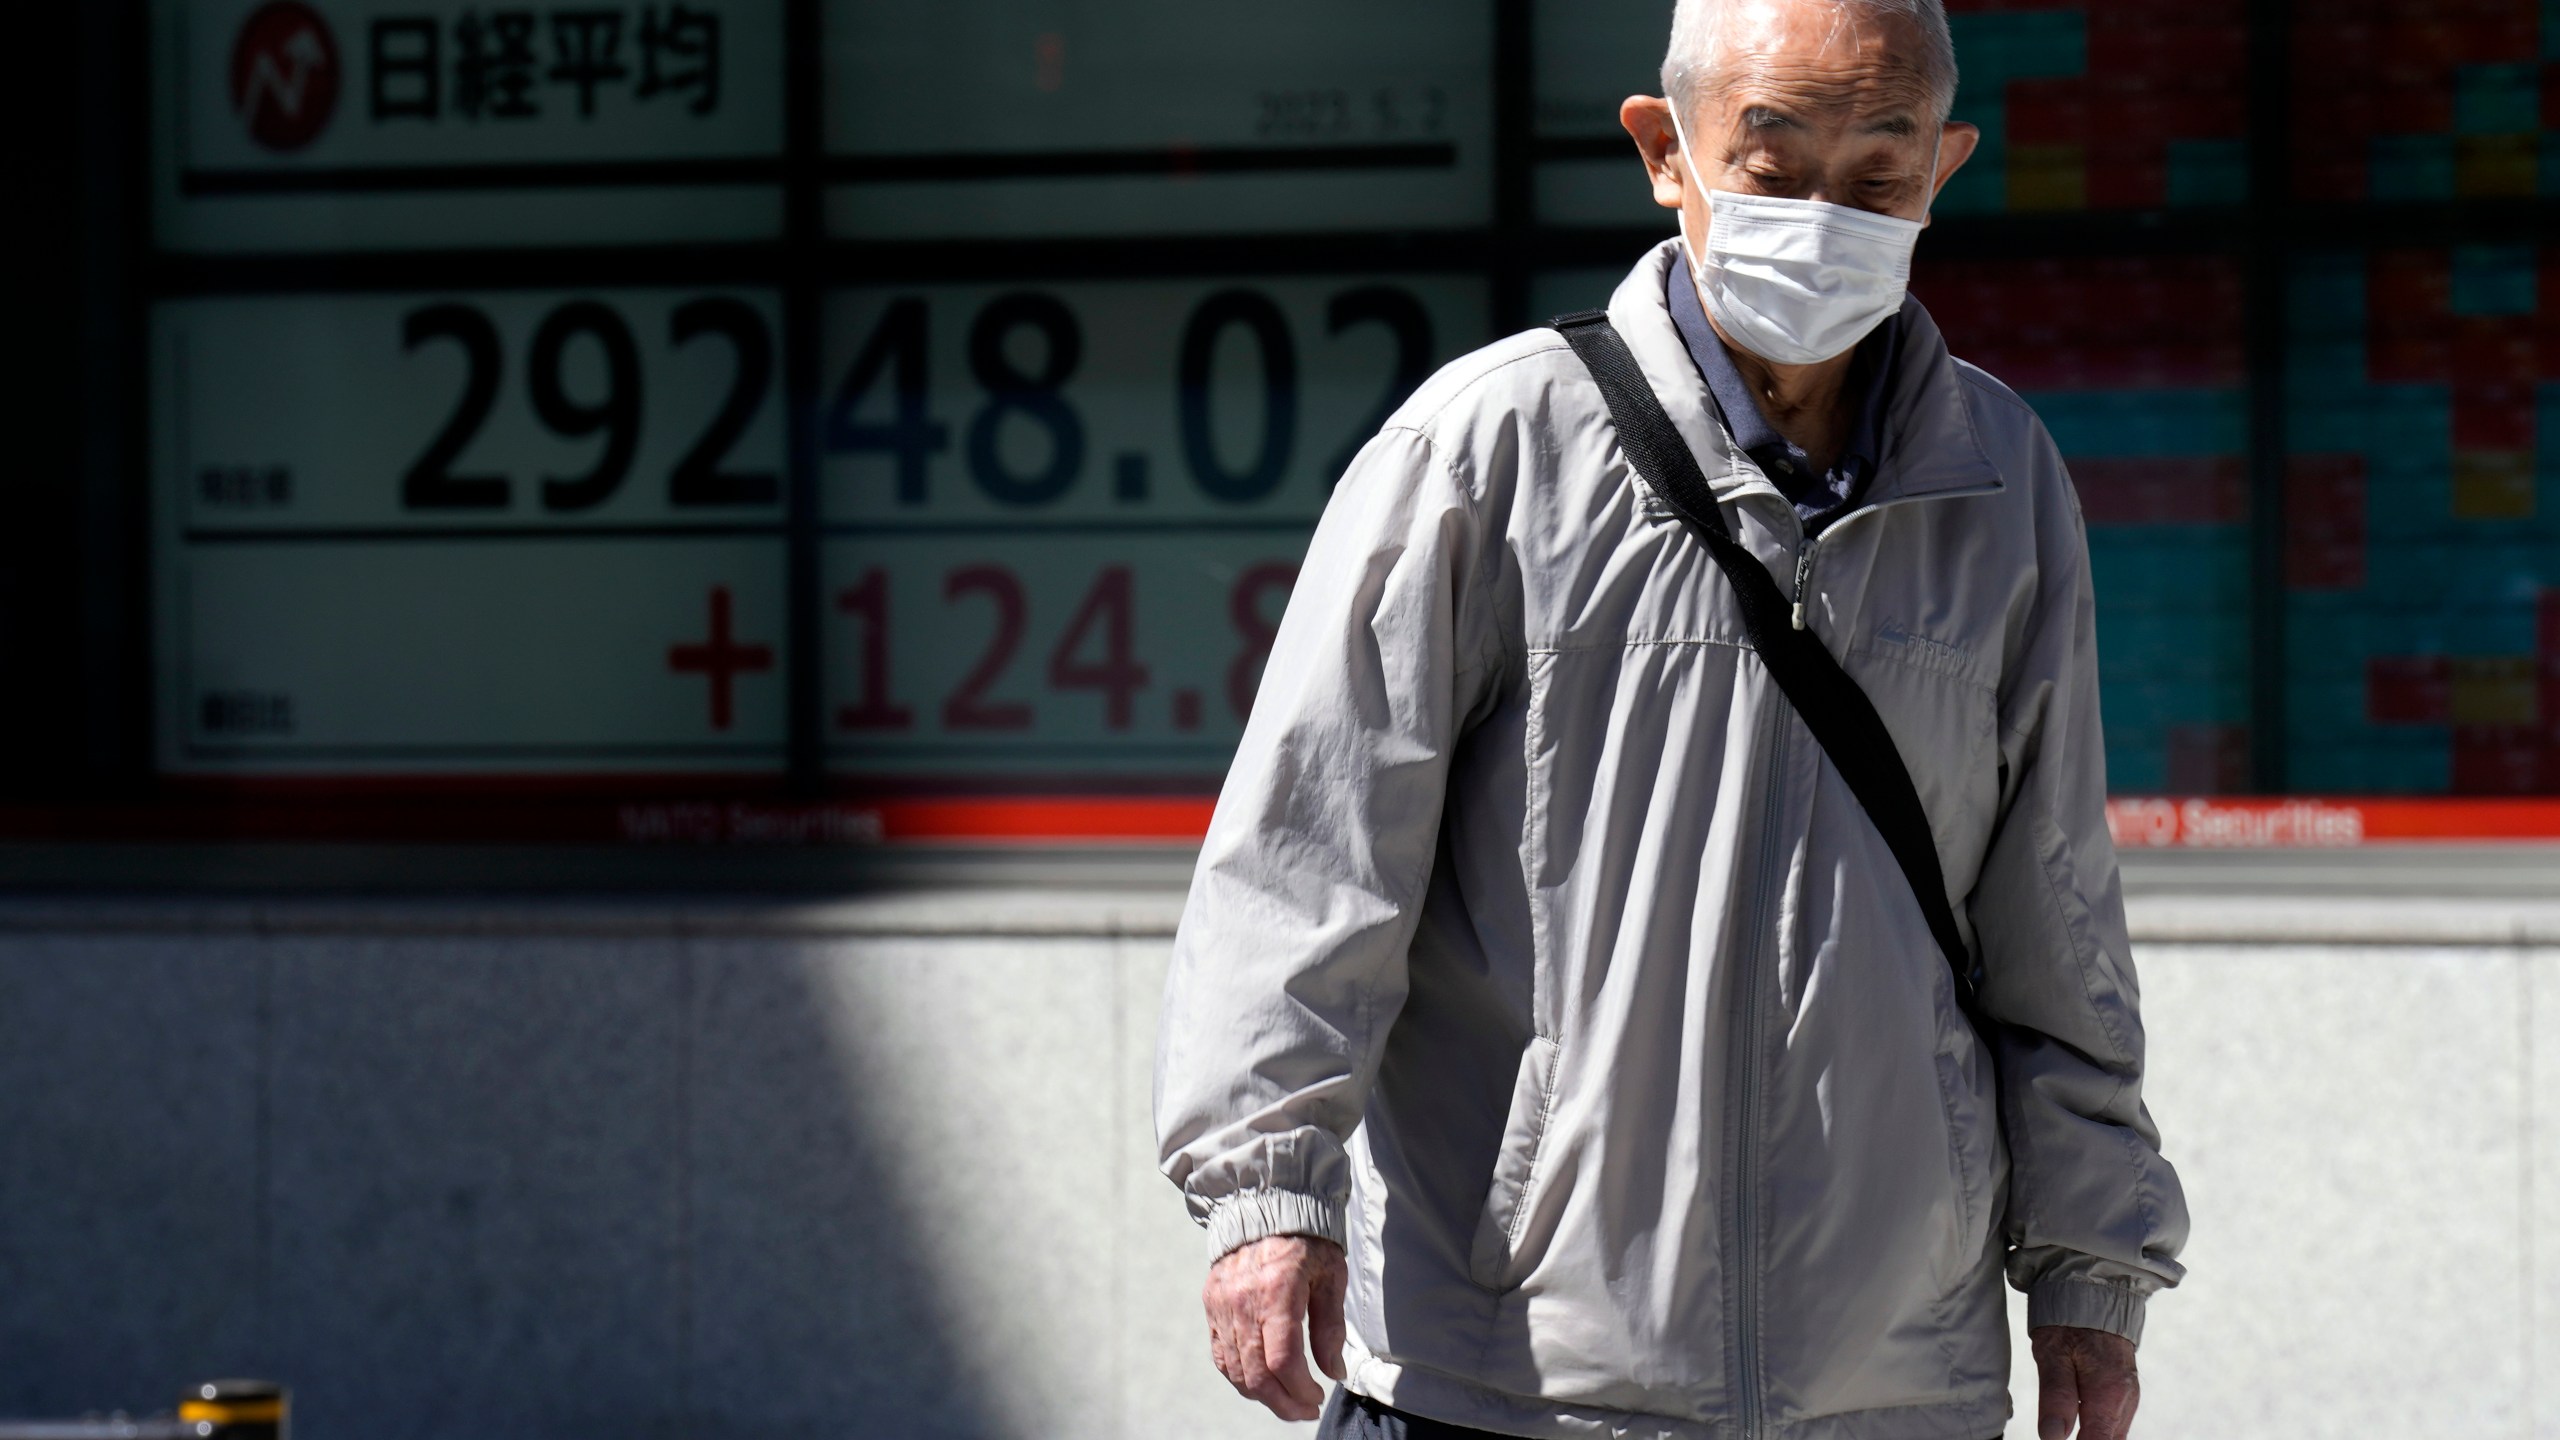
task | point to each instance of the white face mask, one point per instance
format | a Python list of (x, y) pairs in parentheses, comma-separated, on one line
[(1797, 282)]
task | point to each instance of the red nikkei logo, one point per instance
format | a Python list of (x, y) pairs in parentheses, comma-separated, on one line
[(284, 74)]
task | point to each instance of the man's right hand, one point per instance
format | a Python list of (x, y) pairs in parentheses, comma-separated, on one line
[(1265, 1300)]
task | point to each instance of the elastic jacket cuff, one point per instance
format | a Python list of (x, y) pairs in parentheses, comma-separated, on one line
[(1250, 1215), (2087, 1304)]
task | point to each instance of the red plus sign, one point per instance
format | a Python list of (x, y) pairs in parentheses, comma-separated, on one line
[(719, 658)]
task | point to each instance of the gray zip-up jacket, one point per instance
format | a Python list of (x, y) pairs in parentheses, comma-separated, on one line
[(1538, 955)]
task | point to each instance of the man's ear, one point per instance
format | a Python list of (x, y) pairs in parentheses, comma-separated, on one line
[(1648, 122), (1956, 144)]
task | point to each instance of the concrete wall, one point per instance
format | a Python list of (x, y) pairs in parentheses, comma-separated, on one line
[(883, 1166)]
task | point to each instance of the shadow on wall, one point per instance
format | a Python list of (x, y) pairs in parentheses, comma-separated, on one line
[(492, 1186)]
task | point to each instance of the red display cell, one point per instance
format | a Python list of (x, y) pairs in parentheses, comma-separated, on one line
[(2208, 759), (2547, 317), (2408, 359), (2125, 41), (2547, 666), (2408, 690), (2409, 289), (2409, 302), (2330, 46), (2343, 118), (2328, 179), (2417, 104), (2163, 490), (2494, 350), (2048, 111), (2084, 324), (2324, 522), (2128, 184), (2514, 38), (2493, 417), (2499, 760)]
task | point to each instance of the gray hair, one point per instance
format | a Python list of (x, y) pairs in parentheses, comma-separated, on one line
[(1697, 35)]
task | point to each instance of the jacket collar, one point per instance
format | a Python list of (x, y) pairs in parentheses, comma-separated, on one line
[(1929, 447)]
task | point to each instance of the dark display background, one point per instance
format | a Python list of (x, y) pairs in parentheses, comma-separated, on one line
[(2278, 277)]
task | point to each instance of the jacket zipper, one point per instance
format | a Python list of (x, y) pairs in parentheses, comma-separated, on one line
[(1746, 1204), (1746, 1207), (1804, 572)]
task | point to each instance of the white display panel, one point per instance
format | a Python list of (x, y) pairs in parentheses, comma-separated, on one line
[(1062, 518), (301, 125), (593, 655), (1028, 117), (507, 409), (502, 532), (1589, 58)]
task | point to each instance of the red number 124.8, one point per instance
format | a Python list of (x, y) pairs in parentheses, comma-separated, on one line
[(1097, 650)]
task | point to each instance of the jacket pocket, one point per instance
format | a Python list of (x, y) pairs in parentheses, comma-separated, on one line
[(1515, 1169), (1970, 1135)]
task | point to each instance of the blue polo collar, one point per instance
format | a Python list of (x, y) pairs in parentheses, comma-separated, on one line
[(1818, 498)]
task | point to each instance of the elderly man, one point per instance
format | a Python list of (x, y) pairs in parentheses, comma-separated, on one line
[(1545, 956)]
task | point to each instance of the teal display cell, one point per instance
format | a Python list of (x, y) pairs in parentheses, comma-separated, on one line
[(2018, 45), (2131, 704), (1982, 186), (2331, 378), (2413, 420), (2429, 616), (2325, 366), (2490, 586), (2329, 653), (2188, 649), (2497, 99), (2413, 572), (2329, 709), (2144, 422), (2179, 702), (2208, 172), (2406, 507), (2551, 29), (2327, 296), (2137, 764), (2169, 569), (2411, 167), (2423, 767), (2377, 632), (2495, 280)]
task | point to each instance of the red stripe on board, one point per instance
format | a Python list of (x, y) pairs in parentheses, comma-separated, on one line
[(2138, 822), (2316, 824), (568, 818), (1047, 818)]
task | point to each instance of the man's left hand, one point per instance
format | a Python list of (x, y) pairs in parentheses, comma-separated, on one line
[(2085, 1376)]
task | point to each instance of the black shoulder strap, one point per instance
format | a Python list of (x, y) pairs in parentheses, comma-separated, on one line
[(1838, 713)]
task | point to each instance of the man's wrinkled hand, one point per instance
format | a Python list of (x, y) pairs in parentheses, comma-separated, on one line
[(2084, 1376), (1265, 1301)]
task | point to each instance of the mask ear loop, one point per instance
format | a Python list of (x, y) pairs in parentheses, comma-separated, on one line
[(1689, 163)]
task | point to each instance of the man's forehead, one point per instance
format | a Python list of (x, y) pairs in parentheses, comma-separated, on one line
[(1889, 117)]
